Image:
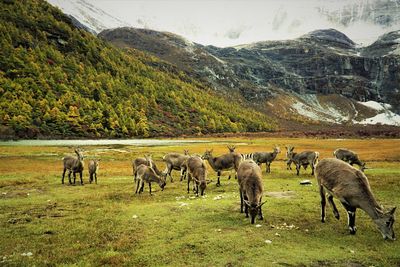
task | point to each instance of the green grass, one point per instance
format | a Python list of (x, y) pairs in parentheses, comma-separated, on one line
[(107, 224)]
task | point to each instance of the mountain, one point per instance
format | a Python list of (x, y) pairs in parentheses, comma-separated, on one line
[(385, 13), (324, 66), (387, 45), (57, 80)]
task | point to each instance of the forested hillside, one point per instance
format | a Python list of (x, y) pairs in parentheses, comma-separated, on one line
[(59, 81)]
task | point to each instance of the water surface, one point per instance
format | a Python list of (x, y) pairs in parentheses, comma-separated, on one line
[(93, 142)]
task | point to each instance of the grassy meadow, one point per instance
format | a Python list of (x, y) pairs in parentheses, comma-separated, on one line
[(43, 222)]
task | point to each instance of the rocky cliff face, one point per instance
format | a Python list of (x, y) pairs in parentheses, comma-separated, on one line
[(385, 13), (327, 62)]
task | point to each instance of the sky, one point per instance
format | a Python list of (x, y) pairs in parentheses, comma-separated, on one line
[(229, 23)]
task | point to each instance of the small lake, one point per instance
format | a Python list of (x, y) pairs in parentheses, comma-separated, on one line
[(92, 142)]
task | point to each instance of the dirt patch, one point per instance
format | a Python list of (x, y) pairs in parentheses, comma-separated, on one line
[(283, 194), (338, 263), (51, 210)]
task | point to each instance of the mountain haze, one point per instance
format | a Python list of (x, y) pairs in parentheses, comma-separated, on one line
[(230, 23)]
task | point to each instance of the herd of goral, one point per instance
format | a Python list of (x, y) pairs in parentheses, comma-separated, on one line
[(336, 178)]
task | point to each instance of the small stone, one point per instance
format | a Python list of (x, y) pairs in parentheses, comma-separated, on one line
[(306, 230), (258, 225), (268, 241), (217, 197), (28, 254)]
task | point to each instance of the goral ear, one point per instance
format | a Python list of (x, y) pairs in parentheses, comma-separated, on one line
[(391, 212)]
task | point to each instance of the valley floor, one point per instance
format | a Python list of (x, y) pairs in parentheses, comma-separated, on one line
[(43, 222)]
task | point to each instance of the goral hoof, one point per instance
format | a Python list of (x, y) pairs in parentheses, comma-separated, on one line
[(353, 230)]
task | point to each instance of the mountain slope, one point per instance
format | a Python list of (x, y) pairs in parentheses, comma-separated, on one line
[(323, 62), (57, 80)]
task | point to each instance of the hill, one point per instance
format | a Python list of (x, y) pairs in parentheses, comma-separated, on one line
[(60, 81)]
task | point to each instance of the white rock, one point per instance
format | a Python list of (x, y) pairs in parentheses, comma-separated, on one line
[(217, 197), (27, 254), (268, 241), (258, 225)]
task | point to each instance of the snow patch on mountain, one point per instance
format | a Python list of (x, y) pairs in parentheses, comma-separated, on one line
[(309, 106), (376, 105), (388, 118), (91, 16), (385, 116)]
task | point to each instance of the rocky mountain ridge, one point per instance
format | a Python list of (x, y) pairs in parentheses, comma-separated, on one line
[(323, 62)]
